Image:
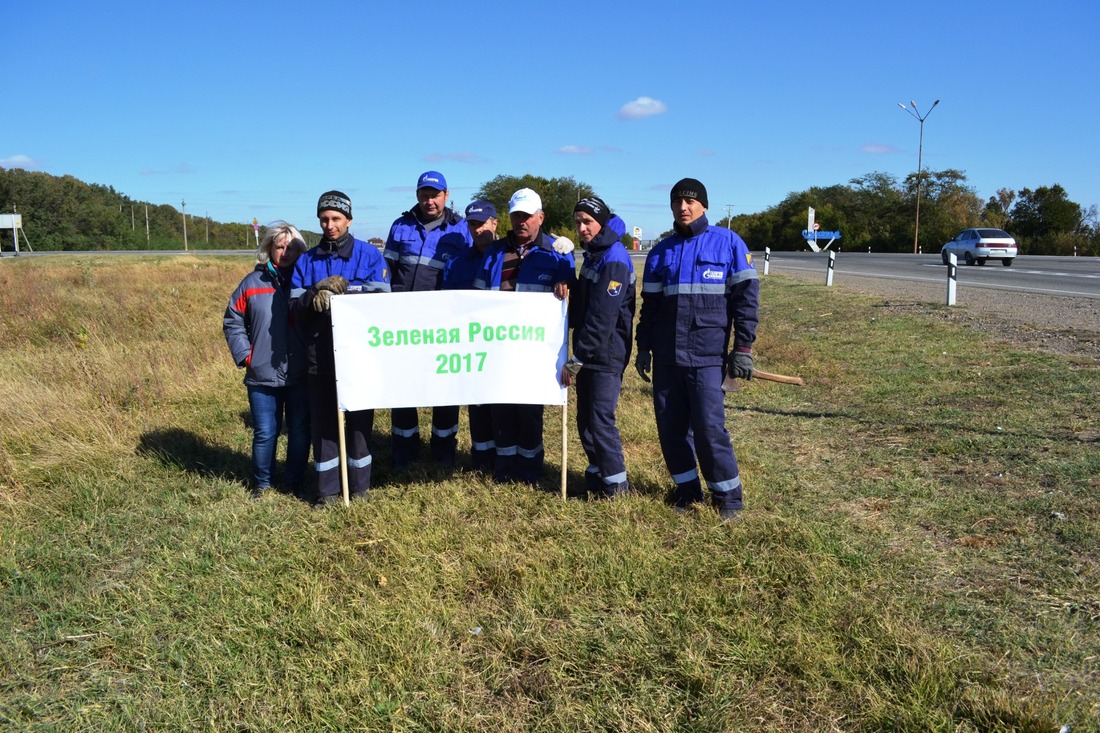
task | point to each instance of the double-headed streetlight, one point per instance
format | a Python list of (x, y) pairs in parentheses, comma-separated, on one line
[(920, 171)]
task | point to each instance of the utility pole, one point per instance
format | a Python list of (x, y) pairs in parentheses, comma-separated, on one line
[(729, 216), (146, 225), (920, 172), (183, 204), (206, 217)]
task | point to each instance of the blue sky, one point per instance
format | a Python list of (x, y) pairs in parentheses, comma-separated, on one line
[(250, 109)]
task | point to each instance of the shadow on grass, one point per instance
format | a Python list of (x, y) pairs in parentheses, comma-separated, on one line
[(184, 450)]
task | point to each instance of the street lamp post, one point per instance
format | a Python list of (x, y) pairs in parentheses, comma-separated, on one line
[(920, 154)]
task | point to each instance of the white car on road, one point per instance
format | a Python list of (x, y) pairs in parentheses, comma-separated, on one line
[(978, 245)]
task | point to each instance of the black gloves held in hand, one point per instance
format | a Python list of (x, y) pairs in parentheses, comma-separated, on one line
[(739, 364), (643, 362)]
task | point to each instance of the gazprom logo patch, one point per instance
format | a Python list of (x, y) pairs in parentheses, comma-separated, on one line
[(545, 278), (709, 274)]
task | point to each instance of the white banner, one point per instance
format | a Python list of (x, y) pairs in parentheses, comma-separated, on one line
[(448, 347)]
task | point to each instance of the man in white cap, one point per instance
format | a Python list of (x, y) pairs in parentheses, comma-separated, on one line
[(524, 261)]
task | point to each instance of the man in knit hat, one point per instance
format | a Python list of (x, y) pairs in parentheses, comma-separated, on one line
[(339, 264), (601, 314), (699, 313)]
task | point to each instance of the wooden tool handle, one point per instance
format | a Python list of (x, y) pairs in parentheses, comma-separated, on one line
[(768, 376)]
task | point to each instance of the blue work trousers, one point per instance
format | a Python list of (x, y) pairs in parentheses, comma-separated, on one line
[(689, 405), (405, 428), (597, 399), (517, 432), (326, 440), (483, 447)]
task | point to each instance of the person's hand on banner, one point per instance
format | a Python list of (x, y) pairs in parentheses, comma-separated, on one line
[(322, 301), (563, 246), (561, 290), (334, 284)]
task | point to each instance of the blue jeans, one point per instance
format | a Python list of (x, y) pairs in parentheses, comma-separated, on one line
[(269, 405)]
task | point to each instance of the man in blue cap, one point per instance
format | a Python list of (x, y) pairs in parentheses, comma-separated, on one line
[(420, 243), (459, 274)]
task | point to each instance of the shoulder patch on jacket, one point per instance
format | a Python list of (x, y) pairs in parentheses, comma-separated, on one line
[(614, 288)]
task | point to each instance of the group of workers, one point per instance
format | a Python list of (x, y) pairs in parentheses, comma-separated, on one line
[(699, 300)]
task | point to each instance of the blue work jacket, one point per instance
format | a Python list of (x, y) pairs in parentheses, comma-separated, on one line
[(697, 284), (416, 255), (601, 305), (539, 270)]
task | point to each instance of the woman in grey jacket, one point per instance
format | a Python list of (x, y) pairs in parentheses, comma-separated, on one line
[(264, 342)]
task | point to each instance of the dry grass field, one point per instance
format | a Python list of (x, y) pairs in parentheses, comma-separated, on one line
[(918, 553)]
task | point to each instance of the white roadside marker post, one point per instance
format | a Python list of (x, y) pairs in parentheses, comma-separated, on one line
[(829, 272), (952, 277)]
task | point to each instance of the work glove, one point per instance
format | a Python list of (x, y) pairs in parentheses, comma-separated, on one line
[(739, 365), (333, 284), (563, 246), (643, 362), (322, 300)]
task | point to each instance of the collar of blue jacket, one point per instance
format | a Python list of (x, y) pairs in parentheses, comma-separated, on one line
[(694, 229)]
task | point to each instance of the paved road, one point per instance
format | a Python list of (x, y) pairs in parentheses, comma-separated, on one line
[(1077, 277)]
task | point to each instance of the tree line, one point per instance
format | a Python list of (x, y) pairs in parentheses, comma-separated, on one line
[(875, 211), (65, 213), (878, 212)]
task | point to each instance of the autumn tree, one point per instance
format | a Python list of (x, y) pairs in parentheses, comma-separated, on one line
[(559, 196)]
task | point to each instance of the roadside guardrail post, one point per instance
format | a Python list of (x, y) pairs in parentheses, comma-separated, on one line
[(767, 258), (829, 272), (952, 277)]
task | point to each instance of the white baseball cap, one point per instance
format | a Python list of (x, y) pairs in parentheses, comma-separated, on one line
[(524, 200)]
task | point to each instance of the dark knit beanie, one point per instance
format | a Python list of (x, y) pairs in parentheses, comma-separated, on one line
[(594, 207), (335, 201), (689, 188)]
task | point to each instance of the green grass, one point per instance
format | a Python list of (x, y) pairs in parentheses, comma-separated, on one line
[(919, 550)]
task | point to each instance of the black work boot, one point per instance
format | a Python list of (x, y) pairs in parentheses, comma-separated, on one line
[(728, 504), (684, 495), (608, 492)]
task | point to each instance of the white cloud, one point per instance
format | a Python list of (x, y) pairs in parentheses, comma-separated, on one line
[(878, 149), (574, 150), (642, 107), (18, 161)]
